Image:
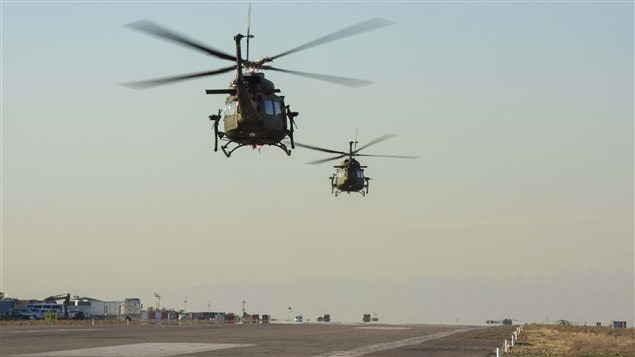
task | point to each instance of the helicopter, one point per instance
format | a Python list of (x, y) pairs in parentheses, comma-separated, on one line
[(349, 174), (254, 114)]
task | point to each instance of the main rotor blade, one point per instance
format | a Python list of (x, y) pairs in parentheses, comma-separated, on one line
[(345, 81), (349, 31), (172, 79), (320, 149), (391, 156), (325, 160), (373, 142), (151, 28)]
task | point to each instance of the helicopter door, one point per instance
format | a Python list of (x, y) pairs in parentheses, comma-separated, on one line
[(231, 118), (340, 176), (273, 117)]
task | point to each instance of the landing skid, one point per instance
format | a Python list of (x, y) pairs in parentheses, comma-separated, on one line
[(219, 135), (228, 151), (336, 191), (361, 192)]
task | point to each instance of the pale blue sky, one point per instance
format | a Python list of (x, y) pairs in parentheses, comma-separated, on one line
[(521, 113)]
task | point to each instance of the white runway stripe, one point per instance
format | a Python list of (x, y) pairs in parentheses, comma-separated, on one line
[(150, 349), (364, 350), (384, 328), (60, 330)]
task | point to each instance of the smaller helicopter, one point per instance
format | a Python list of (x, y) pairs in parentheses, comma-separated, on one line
[(349, 176)]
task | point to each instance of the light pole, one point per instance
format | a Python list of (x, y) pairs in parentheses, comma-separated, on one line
[(185, 305), (158, 299)]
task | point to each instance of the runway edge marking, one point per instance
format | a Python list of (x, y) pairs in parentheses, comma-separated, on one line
[(147, 349), (364, 350)]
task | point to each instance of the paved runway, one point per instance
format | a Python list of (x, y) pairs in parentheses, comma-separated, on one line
[(276, 339)]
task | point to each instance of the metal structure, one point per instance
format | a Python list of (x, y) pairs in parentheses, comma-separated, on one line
[(65, 297), (157, 296)]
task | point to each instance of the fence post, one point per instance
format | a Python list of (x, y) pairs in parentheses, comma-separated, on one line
[(506, 347), (498, 352)]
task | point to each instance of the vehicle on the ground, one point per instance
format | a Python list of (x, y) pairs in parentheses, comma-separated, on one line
[(29, 314), (42, 308), (13, 315)]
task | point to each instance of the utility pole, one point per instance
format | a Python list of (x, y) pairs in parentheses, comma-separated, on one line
[(244, 302), (185, 305), (158, 299)]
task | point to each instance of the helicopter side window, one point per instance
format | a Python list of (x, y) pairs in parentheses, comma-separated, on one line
[(230, 108), (273, 116), (268, 106), (273, 107), (360, 173), (277, 107)]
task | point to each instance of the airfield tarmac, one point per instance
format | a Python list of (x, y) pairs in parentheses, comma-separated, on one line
[(275, 339)]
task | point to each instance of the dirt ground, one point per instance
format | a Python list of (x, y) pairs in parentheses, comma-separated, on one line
[(574, 341)]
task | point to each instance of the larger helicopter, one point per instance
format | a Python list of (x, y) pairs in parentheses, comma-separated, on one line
[(349, 174), (254, 115)]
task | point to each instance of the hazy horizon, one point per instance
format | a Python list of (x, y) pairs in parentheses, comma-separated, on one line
[(431, 300)]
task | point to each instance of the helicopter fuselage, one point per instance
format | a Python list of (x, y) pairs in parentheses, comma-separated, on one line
[(349, 177), (254, 115), (259, 116)]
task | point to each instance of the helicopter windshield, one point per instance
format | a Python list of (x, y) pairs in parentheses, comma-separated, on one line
[(272, 107), (273, 116)]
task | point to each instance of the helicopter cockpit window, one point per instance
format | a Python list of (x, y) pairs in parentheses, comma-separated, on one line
[(230, 108), (272, 106), (269, 107), (277, 107), (273, 117)]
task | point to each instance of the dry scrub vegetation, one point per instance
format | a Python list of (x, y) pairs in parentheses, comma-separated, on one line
[(574, 341)]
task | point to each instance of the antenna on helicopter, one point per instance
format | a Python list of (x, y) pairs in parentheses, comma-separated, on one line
[(249, 35)]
